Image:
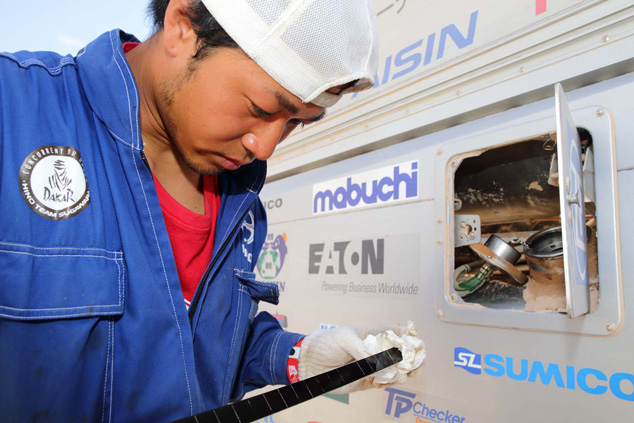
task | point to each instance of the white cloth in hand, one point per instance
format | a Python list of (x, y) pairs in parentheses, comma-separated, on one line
[(412, 349), (325, 350)]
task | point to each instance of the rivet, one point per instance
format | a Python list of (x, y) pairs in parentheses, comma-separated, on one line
[(606, 38), (454, 297), (439, 241), (522, 69), (600, 112), (439, 313), (439, 152), (439, 221), (611, 327)]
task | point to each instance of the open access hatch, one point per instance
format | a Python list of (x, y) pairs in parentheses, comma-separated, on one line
[(525, 223)]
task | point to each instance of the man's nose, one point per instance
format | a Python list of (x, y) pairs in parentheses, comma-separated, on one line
[(262, 142)]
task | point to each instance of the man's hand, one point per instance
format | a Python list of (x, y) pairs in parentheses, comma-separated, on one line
[(325, 350)]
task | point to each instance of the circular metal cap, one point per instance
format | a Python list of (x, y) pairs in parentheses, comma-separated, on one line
[(493, 258)]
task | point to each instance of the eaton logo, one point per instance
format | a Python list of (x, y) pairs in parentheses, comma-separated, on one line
[(589, 380), (401, 402), (380, 186), (365, 257)]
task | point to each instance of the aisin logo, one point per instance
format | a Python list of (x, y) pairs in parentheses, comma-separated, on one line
[(272, 256)]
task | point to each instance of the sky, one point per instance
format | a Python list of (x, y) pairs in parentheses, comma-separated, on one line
[(65, 26)]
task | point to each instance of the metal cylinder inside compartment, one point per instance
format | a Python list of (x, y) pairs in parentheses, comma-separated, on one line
[(545, 256)]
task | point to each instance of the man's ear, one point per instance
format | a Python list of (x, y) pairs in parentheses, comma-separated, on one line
[(179, 37)]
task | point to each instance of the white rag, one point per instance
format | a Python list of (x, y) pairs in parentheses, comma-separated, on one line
[(411, 347)]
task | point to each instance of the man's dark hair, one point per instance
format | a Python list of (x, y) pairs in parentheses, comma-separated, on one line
[(209, 32)]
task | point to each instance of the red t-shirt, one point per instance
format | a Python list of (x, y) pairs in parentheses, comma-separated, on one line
[(191, 234), (192, 238)]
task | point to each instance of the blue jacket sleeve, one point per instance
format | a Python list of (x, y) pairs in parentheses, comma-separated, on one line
[(265, 355)]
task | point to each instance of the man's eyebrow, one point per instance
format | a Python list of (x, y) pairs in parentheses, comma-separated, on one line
[(286, 103)]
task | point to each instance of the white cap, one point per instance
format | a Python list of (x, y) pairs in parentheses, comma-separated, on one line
[(307, 46)]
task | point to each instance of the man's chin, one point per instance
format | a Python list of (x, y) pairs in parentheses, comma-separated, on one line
[(204, 169)]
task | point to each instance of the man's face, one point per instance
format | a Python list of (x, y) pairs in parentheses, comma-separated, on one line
[(224, 111)]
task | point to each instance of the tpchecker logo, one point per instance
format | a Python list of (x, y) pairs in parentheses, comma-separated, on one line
[(401, 402), (389, 184), (589, 380)]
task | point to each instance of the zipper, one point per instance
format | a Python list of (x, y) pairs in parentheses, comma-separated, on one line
[(201, 287), (145, 161)]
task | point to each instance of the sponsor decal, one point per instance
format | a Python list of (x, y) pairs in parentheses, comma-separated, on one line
[(282, 319), (53, 182), (248, 235), (386, 185), (403, 403), (425, 51), (368, 257), (467, 360), (588, 380), (272, 258), (273, 204), (326, 326), (360, 267)]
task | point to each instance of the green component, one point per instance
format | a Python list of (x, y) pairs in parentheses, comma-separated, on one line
[(472, 285)]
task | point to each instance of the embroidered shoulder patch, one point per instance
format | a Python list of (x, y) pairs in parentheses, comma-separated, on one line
[(53, 182)]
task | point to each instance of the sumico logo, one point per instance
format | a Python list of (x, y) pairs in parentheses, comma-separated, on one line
[(380, 186), (467, 360), (401, 402), (591, 381), (273, 204)]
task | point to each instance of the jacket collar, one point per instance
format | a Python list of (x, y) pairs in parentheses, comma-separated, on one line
[(110, 87)]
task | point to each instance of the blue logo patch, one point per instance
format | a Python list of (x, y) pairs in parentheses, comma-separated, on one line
[(467, 360)]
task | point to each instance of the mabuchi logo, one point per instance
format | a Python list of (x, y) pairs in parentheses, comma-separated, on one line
[(380, 186), (589, 380), (53, 183), (364, 257)]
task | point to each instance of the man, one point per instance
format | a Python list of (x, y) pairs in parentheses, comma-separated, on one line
[(129, 182)]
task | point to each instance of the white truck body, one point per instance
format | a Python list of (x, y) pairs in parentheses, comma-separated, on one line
[(365, 211)]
